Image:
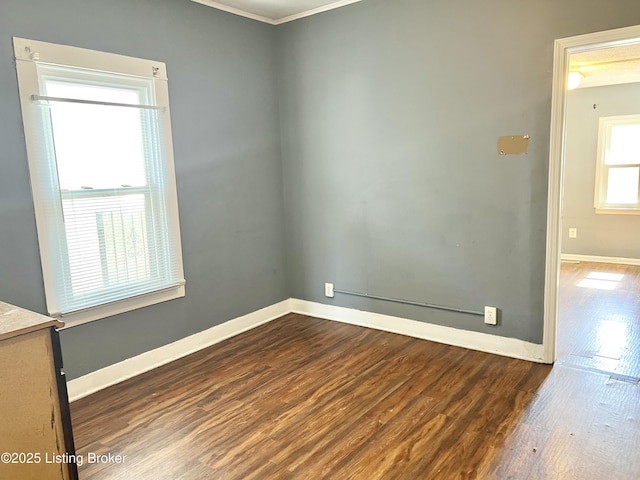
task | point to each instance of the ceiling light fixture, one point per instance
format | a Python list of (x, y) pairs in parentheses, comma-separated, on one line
[(574, 80)]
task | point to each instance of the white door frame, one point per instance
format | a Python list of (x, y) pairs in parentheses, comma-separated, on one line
[(563, 48)]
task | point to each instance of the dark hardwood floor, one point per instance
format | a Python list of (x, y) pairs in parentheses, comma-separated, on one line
[(304, 398)]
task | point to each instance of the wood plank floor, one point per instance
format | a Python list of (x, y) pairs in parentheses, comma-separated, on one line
[(304, 398), (599, 326)]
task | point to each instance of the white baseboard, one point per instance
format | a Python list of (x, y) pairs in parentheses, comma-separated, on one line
[(508, 347), (118, 372), (598, 259)]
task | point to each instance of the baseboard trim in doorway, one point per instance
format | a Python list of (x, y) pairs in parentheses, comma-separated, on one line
[(570, 257), (105, 377), (508, 347)]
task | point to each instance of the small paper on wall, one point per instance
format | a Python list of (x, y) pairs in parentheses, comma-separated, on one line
[(513, 144)]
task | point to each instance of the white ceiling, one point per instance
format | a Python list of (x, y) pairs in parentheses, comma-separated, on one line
[(275, 12), (607, 66)]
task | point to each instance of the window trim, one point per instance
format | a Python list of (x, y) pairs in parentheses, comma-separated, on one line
[(28, 53), (604, 137)]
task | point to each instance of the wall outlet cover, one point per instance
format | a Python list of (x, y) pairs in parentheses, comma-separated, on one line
[(328, 290), (490, 315)]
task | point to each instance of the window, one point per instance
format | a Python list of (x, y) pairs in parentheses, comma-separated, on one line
[(98, 139), (618, 165)]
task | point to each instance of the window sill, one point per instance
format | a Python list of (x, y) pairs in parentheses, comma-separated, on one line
[(96, 313), (617, 211)]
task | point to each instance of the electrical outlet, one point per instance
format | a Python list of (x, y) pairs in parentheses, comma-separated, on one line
[(490, 315), (573, 233), (328, 290)]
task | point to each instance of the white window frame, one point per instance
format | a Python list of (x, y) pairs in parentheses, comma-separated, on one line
[(602, 169), (29, 54)]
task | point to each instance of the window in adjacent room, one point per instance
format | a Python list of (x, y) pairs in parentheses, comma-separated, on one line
[(618, 165), (98, 140)]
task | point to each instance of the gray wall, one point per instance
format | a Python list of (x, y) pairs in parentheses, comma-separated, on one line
[(600, 235), (390, 114), (222, 86), (388, 111)]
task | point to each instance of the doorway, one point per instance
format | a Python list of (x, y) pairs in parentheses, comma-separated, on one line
[(565, 49)]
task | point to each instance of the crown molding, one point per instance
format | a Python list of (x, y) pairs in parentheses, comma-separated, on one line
[(313, 11), (279, 21), (236, 11)]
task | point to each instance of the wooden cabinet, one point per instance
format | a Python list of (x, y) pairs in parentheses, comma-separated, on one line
[(36, 440)]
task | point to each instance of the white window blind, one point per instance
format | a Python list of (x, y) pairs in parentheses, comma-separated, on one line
[(101, 165)]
